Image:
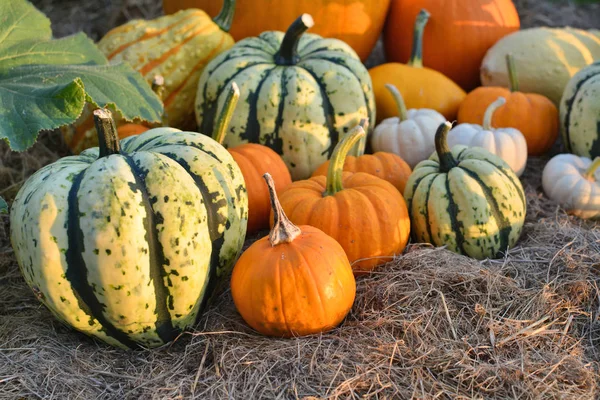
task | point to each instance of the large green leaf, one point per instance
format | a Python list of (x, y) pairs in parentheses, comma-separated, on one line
[(45, 83), (3, 206)]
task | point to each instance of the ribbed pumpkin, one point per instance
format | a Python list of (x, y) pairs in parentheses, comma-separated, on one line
[(421, 87), (467, 199), (300, 94), (254, 161), (125, 242), (456, 39), (365, 214), (356, 22), (178, 47), (580, 113), (534, 115), (296, 281)]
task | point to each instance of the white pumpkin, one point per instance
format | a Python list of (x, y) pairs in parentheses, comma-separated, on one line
[(507, 143), (574, 183), (409, 135)]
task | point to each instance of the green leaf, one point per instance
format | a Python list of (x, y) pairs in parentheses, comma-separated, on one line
[(3, 206)]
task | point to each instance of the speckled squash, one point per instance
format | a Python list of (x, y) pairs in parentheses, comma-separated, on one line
[(300, 94), (467, 199), (580, 113), (125, 242)]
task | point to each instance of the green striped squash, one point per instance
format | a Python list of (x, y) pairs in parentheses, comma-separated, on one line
[(299, 94), (466, 199), (580, 112), (125, 242)]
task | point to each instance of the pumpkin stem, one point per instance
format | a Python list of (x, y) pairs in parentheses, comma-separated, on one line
[(225, 17), (359, 149), (283, 230), (233, 95), (287, 54), (400, 105), (489, 112), (447, 161), (108, 138), (416, 56), (590, 173), (512, 73), (336, 164)]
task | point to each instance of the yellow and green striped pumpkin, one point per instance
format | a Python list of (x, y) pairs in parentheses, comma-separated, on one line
[(466, 199), (299, 94), (125, 242)]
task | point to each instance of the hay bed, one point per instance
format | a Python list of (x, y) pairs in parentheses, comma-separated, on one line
[(430, 324)]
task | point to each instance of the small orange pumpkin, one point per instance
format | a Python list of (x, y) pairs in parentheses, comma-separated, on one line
[(254, 161), (365, 214), (534, 115), (296, 281)]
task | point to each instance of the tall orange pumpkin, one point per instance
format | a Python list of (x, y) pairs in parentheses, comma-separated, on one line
[(457, 37), (356, 22)]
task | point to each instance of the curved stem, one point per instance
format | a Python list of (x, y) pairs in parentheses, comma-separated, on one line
[(283, 230), (447, 161), (233, 95), (512, 73), (359, 149), (287, 54), (225, 17), (108, 139), (400, 105), (590, 173), (489, 113), (416, 56), (336, 164)]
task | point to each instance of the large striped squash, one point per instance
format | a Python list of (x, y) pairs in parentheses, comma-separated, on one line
[(299, 94), (580, 112), (126, 244), (466, 199)]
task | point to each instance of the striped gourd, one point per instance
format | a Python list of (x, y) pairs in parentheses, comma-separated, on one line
[(126, 242), (466, 199), (580, 112), (299, 94)]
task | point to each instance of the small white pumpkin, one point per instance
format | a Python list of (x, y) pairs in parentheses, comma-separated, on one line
[(507, 143), (409, 135), (574, 183)]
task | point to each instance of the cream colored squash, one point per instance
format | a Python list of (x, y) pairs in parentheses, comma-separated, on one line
[(507, 143), (409, 135), (574, 183)]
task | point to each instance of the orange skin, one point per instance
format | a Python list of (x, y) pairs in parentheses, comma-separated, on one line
[(254, 160), (387, 166), (457, 37), (131, 130), (356, 22), (532, 114), (368, 217), (294, 289)]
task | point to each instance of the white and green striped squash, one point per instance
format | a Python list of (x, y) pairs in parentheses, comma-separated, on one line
[(125, 242), (466, 199), (580, 113), (299, 94)]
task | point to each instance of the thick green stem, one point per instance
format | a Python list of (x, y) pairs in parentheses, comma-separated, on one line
[(283, 230), (512, 73), (447, 161), (416, 57), (489, 113), (233, 95), (336, 164), (225, 17), (359, 149), (108, 139), (399, 100), (590, 173), (288, 51)]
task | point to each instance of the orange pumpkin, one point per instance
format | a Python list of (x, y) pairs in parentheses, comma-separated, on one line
[(365, 214), (421, 87), (296, 281), (457, 38), (532, 114), (254, 161), (356, 22), (131, 130), (387, 166)]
